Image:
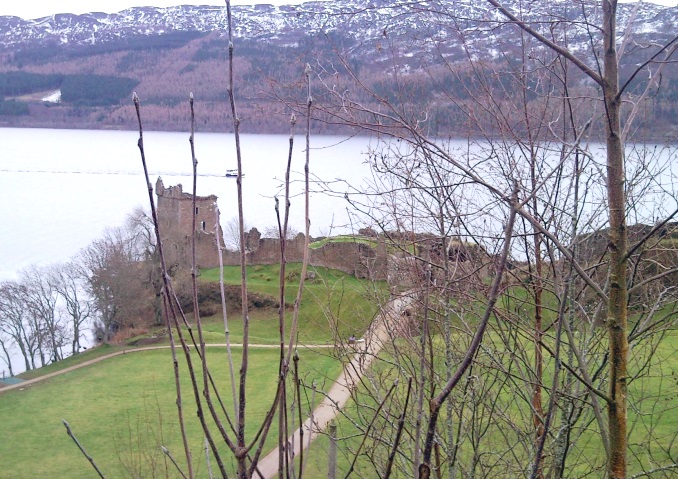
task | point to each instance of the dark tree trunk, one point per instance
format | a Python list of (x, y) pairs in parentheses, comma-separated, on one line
[(617, 246)]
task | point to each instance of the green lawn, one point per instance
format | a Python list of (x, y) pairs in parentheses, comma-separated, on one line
[(334, 304), (123, 409), (392, 246), (91, 353), (370, 241)]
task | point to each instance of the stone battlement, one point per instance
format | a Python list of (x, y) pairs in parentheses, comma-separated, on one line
[(175, 220)]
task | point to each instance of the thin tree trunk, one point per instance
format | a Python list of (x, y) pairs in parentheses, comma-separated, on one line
[(617, 312), (8, 359), (76, 339), (284, 457), (24, 353), (421, 386), (170, 302), (227, 332), (332, 461), (618, 239), (537, 288), (241, 452)]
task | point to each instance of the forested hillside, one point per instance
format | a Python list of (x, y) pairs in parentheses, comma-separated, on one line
[(422, 65)]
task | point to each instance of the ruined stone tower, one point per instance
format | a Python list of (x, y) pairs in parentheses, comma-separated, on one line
[(175, 219)]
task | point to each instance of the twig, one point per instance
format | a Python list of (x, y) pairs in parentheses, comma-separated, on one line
[(304, 265), (304, 268), (167, 288), (437, 402), (399, 432), (302, 464), (656, 469), (207, 458), (307, 218), (369, 427), (649, 234), (194, 283), (297, 383), (77, 443), (167, 453), (282, 234), (538, 460), (242, 399), (227, 332)]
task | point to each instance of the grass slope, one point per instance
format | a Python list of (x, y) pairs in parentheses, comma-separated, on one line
[(503, 414), (334, 304), (70, 361), (122, 410)]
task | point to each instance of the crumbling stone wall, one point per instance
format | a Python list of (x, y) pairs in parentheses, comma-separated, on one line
[(175, 218), (359, 259), (467, 263), (377, 260), (356, 258), (372, 260)]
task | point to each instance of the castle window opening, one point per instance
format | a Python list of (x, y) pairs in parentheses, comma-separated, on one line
[(202, 223), (196, 210)]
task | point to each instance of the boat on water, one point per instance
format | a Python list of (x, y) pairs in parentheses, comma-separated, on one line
[(232, 174)]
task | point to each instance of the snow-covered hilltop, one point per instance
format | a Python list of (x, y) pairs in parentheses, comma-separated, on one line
[(363, 20)]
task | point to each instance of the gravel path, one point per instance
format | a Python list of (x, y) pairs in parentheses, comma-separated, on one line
[(378, 334), (30, 382)]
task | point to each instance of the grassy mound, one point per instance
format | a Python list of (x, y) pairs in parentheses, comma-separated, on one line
[(334, 304)]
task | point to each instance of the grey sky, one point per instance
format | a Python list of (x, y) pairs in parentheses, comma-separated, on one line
[(41, 8)]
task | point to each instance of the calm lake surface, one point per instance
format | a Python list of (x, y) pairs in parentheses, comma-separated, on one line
[(62, 188)]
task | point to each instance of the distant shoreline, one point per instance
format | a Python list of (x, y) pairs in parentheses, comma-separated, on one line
[(666, 138)]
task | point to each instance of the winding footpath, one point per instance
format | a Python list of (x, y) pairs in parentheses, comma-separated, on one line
[(380, 332), (30, 382)]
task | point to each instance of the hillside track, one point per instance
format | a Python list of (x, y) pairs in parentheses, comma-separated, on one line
[(380, 333), (30, 382)]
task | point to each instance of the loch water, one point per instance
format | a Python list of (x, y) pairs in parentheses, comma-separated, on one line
[(62, 188)]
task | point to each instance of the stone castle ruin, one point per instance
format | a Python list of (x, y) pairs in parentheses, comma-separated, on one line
[(371, 255), (175, 218), (356, 258), (376, 256)]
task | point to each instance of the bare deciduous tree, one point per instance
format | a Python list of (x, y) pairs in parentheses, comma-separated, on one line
[(534, 115), (13, 321), (41, 301), (68, 282), (120, 272)]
